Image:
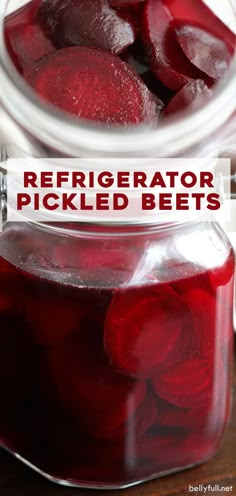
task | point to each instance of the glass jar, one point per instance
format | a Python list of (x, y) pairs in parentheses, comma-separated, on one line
[(40, 131), (117, 349)]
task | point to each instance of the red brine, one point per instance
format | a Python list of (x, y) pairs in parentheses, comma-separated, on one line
[(113, 385), (120, 62)]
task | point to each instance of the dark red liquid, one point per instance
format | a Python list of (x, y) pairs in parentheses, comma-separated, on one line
[(113, 385), (150, 52)]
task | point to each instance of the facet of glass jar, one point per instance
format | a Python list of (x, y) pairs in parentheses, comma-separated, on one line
[(117, 346), (59, 135)]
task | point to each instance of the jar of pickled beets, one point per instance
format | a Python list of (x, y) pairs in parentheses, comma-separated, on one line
[(116, 349), (116, 340)]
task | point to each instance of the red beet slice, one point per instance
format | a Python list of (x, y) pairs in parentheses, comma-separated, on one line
[(192, 96), (197, 13), (167, 60), (212, 320), (145, 417), (144, 330), (101, 400), (114, 95), (163, 453), (28, 44), (208, 418), (186, 418), (49, 14), (159, 453), (203, 320), (124, 3), (194, 449), (88, 23), (25, 39), (188, 384), (207, 52), (34, 7)]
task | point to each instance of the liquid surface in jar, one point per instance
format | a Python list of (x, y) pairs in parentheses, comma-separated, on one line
[(120, 62), (114, 384)]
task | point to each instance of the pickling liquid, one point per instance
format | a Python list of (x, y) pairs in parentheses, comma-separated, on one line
[(113, 385)]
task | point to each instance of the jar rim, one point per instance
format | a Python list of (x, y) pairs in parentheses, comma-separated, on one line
[(111, 230), (68, 136)]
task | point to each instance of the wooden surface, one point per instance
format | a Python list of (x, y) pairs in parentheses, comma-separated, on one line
[(17, 480)]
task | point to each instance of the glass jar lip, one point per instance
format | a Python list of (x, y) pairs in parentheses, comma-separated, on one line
[(111, 230), (69, 137)]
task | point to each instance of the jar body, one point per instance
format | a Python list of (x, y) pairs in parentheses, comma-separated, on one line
[(117, 350)]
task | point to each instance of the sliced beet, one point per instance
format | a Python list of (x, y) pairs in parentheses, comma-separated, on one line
[(209, 418), (145, 417), (187, 418), (25, 39), (34, 6), (27, 44), (167, 60), (203, 308), (144, 330), (20, 17), (101, 400), (188, 385), (49, 14), (88, 23), (207, 52), (124, 3), (170, 451), (159, 453), (197, 13), (72, 80), (192, 96), (193, 449)]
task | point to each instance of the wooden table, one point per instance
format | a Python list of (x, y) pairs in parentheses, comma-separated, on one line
[(17, 480)]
